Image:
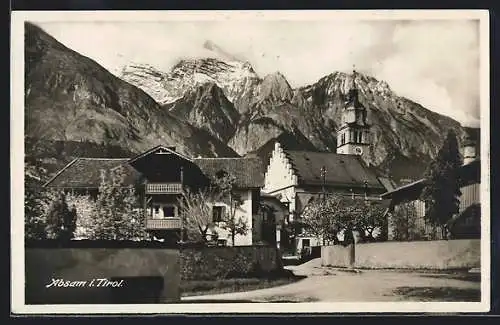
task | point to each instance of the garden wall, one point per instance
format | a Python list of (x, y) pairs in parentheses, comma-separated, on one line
[(139, 275), (440, 255), (207, 263)]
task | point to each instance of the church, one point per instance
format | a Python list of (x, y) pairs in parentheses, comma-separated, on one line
[(296, 177)]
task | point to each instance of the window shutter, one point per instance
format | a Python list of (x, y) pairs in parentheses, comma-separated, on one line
[(222, 212)]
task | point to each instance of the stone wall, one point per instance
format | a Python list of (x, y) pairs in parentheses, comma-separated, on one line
[(438, 255), (147, 275), (207, 263)]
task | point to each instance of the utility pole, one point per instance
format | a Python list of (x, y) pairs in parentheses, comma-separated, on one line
[(323, 177)]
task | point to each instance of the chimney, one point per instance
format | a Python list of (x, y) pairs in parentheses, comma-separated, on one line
[(469, 150), (470, 146)]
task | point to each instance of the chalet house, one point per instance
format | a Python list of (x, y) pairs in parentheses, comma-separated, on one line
[(160, 175), (470, 177), (296, 177)]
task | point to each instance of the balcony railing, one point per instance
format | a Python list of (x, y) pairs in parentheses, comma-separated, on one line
[(167, 223), (163, 188)]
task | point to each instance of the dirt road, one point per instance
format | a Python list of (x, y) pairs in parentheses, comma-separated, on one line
[(328, 285)]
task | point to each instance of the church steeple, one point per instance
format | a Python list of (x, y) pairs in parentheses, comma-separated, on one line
[(353, 136), (353, 91)]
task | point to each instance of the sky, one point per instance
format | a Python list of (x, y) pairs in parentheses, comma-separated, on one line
[(434, 63)]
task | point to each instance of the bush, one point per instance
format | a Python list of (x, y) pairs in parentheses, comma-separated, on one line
[(466, 225), (115, 216), (35, 219), (61, 220)]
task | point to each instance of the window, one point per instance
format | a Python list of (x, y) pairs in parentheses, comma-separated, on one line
[(343, 138), (217, 213), (357, 137), (161, 211), (168, 211), (221, 242), (306, 243)]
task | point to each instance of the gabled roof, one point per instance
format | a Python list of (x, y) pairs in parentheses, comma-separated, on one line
[(86, 173), (388, 183), (247, 171), (347, 170), (170, 150), (409, 191)]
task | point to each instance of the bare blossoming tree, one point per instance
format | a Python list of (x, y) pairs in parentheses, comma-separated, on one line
[(326, 218), (225, 191), (196, 212)]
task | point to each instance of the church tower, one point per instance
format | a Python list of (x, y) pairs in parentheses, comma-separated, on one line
[(353, 137)]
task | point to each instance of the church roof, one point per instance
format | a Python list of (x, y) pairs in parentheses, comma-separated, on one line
[(346, 170)]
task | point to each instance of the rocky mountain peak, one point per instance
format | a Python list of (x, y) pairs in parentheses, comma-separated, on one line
[(233, 77), (206, 107), (275, 87)]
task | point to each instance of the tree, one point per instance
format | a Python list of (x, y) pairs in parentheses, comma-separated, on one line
[(85, 207), (328, 217), (35, 218), (196, 212), (373, 217), (317, 221), (116, 215), (224, 187), (61, 220), (403, 222), (442, 190)]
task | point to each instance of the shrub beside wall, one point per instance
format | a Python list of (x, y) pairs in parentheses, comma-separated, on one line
[(207, 263), (439, 255)]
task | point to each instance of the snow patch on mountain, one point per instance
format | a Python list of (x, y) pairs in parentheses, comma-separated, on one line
[(233, 77)]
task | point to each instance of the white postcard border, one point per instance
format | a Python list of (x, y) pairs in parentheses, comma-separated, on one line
[(17, 162)]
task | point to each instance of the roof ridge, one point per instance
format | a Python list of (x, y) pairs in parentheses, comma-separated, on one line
[(320, 152), (96, 158), (60, 172), (256, 158), (168, 148)]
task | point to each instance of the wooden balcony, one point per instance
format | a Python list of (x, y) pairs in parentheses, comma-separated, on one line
[(163, 188), (167, 223)]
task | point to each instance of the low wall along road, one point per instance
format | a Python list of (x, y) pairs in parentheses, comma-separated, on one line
[(436, 255)]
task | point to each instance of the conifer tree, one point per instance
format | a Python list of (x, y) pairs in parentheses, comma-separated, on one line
[(61, 220), (442, 190), (34, 215), (116, 215)]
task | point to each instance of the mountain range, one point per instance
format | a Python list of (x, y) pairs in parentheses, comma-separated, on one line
[(215, 106)]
